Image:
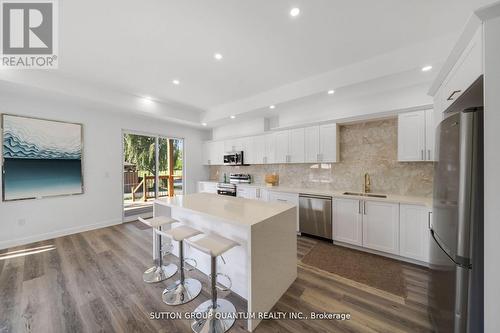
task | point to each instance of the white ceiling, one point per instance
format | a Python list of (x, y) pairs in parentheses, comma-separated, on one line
[(139, 47)]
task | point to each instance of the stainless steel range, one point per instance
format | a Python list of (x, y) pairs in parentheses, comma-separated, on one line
[(240, 178), (230, 188)]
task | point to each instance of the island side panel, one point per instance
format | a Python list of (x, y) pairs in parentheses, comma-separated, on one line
[(273, 266)]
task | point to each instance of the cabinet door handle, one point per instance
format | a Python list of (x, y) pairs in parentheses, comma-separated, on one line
[(283, 200), (359, 206), (364, 207), (429, 220), (317, 158), (422, 154), (450, 98), (428, 154)]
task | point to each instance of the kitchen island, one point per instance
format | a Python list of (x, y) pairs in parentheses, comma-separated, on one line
[(264, 265)]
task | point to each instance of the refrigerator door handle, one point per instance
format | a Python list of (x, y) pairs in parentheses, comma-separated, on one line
[(465, 184)]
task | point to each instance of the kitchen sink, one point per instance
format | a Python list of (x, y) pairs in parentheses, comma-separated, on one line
[(365, 194)]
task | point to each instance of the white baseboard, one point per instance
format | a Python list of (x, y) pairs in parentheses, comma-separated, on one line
[(58, 233)]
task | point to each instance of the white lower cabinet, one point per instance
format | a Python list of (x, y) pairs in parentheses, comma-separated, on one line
[(291, 198), (381, 226), (262, 194), (207, 187), (347, 221), (247, 192), (370, 224), (414, 236), (399, 229)]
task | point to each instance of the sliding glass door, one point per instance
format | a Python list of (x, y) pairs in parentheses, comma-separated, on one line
[(153, 167)]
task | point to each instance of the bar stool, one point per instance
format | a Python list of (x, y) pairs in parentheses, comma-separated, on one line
[(183, 290), (208, 314), (159, 271)]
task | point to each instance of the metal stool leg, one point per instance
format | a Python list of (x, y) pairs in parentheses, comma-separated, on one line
[(183, 290), (206, 316), (159, 272)]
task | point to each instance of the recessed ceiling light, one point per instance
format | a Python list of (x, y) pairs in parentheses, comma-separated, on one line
[(218, 56), (331, 92), (232, 117), (272, 107), (147, 100), (203, 124), (176, 82), (294, 12), (426, 68)]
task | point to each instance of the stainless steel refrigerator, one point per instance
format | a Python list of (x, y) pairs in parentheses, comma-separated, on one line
[(456, 254)]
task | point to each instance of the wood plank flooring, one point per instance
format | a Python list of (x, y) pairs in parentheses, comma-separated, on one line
[(92, 282)]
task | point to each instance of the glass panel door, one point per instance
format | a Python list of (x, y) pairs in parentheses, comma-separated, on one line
[(139, 175), (171, 162)]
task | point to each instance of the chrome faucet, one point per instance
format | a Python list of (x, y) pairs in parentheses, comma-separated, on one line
[(367, 185)]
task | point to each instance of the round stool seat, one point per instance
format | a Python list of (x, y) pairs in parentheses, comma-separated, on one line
[(180, 233), (158, 221), (213, 245)]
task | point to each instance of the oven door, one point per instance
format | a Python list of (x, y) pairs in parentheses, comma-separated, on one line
[(226, 192)]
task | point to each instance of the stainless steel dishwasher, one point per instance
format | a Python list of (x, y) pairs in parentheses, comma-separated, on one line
[(315, 215)]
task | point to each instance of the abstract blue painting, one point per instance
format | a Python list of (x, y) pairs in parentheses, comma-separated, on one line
[(41, 158)]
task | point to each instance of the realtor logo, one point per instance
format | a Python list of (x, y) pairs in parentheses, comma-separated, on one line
[(29, 34)]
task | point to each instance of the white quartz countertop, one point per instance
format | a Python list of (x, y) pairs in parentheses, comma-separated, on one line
[(234, 210), (404, 199)]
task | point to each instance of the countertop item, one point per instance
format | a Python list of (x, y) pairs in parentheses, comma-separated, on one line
[(233, 210)]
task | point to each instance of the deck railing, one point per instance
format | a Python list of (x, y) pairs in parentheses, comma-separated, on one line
[(147, 185)]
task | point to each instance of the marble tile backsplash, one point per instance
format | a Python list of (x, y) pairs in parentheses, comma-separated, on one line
[(364, 147)]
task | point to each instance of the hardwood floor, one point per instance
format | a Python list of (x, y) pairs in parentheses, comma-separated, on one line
[(92, 282)]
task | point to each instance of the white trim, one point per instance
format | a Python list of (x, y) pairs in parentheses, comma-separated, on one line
[(58, 233)]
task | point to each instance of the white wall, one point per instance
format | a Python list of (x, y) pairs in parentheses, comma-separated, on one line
[(31, 220), (491, 175), (239, 128)]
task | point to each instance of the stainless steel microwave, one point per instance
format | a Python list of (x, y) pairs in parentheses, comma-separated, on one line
[(233, 158)]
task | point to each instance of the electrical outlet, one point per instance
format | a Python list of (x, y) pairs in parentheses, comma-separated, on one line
[(21, 222)]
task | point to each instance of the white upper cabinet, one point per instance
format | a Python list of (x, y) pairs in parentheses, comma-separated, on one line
[(381, 226), (296, 146), (213, 153), (416, 133), (270, 148), (257, 151), (311, 144), (347, 221), (300, 145), (430, 134), (328, 142), (217, 153), (414, 234), (465, 71), (411, 136), (231, 145), (282, 141)]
